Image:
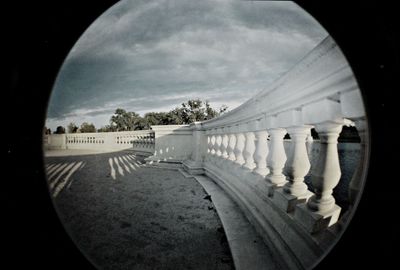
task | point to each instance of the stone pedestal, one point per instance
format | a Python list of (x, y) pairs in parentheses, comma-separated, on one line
[(316, 221), (193, 167), (287, 202), (246, 174), (263, 187)]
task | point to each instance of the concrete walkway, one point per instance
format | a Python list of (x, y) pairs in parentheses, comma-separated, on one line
[(248, 249), (124, 215)]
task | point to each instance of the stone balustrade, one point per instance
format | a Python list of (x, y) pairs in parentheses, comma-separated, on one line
[(142, 140), (243, 151)]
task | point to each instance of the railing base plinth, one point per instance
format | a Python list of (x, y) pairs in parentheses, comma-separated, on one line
[(230, 165), (257, 177), (193, 167), (287, 202), (263, 187), (315, 222), (245, 174), (273, 187)]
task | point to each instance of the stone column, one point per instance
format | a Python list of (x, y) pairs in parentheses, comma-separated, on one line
[(261, 153), (239, 146), (198, 151), (194, 165), (297, 166), (276, 159), (248, 151), (321, 211)]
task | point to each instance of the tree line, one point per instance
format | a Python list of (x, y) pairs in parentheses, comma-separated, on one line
[(191, 111)]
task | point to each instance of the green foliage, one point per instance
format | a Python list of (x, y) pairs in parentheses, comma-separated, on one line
[(72, 128), (87, 128), (196, 110), (125, 121), (46, 131), (191, 111), (106, 128), (155, 118), (60, 130)]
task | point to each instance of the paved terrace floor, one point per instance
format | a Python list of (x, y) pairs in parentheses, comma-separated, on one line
[(124, 215)]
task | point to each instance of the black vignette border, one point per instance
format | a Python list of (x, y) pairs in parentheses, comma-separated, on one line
[(38, 37), (366, 33)]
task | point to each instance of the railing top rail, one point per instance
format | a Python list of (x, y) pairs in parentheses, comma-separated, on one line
[(134, 132)]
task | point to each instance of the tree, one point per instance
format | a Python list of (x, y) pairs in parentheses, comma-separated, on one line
[(141, 124), (46, 131), (157, 118), (72, 128), (175, 117), (194, 110), (87, 128), (60, 130), (189, 112), (106, 128), (124, 121), (211, 113)]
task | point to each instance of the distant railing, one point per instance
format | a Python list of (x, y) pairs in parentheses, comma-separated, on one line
[(243, 151), (142, 140)]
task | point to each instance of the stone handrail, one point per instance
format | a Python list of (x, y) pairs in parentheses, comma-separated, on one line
[(243, 151), (141, 140)]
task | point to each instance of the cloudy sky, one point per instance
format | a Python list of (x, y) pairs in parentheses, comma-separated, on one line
[(152, 55)]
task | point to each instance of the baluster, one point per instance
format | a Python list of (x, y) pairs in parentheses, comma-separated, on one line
[(210, 145), (220, 147), (231, 145), (231, 141), (213, 145), (224, 145), (297, 166), (276, 159), (208, 151), (298, 162), (261, 153), (212, 140), (248, 151), (218, 142), (321, 211), (239, 146)]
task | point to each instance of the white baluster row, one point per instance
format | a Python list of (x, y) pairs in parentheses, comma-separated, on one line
[(250, 152)]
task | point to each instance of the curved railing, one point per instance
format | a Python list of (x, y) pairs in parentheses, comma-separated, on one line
[(141, 140), (244, 152)]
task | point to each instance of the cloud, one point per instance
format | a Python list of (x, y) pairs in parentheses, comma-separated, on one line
[(152, 55)]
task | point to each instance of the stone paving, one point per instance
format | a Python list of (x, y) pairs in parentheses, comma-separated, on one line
[(124, 215)]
